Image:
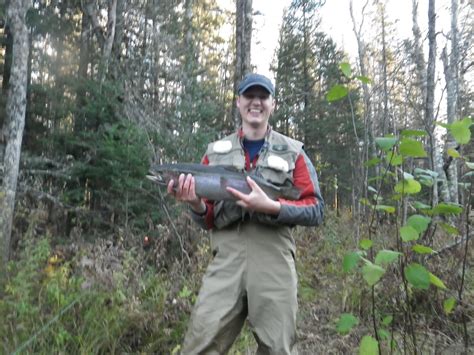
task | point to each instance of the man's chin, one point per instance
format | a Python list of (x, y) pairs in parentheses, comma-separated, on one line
[(256, 124)]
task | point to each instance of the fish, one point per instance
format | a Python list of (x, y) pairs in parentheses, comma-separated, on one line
[(211, 182)]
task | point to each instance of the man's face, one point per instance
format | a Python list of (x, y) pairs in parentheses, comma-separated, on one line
[(255, 106)]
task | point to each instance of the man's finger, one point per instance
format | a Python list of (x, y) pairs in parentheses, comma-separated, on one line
[(253, 185), (180, 184), (239, 195), (187, 183), (170, 187), (241, 204)]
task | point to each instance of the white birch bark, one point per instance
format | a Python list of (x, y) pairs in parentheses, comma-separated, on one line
[(422, 82), (14, 123), (451, 73)]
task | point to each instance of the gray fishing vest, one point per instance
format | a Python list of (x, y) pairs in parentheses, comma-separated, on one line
[(276, 163)]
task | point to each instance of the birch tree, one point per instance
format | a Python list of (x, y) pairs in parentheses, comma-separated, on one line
[(361, 176), (14, 122), (451, 73)]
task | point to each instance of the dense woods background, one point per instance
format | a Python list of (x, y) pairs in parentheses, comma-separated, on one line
[(97, 259)]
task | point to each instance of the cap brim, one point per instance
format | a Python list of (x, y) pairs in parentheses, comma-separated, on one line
[(246, 87)]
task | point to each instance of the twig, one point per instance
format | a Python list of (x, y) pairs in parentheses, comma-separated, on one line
[(175, 230), (448, 247), (463, 276)]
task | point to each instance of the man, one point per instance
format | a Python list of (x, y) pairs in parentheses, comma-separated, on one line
[(252, 275)]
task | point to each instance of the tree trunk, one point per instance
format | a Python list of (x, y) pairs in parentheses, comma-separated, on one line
[(386, 126), (243, 42), (362, 172), (79, 121), (421, 82), (429, 118), (15, 122), (451, 73)]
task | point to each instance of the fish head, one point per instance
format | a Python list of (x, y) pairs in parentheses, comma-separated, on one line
[(162, 174)]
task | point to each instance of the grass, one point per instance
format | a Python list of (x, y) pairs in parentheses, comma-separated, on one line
[(132, 300)]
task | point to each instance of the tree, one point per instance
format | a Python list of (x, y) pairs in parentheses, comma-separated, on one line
[(451, 73), (243, 41), (307, 67), (15, 121)]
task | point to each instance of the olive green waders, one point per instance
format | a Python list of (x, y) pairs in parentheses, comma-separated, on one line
[(252, 276)]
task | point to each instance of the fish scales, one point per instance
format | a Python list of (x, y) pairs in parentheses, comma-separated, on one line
[(211, 182)]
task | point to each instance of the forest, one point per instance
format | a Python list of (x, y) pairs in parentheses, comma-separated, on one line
[(95, 258)]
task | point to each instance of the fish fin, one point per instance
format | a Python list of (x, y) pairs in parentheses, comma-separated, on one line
[(156, 179)]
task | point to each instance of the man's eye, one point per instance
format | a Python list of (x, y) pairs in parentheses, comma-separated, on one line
[(252, 97)]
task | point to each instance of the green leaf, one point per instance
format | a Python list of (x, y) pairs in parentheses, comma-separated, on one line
[(346, 323), (437, 282), (417, 276), (346, 69), (460, 130), (426, 180), (386, 257), (385, 208), (386, 143), (408, 233), (185, 292), (350, 261), (364, 79), (387, 320), (408, 187), (428, 172), (383, 334), (372, 189), (413, 133), (372, 162), (337, 92), (394, 159), (465, 176), (421, 206), (412, 148), (368, 346), (449, 228), (421, 249), (447, 208), (470, 165), (372, 273), (419, 222), (449, 305), (453, 153), (366, 244)]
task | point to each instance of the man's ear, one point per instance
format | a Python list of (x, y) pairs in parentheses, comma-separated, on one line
[(238, 102)]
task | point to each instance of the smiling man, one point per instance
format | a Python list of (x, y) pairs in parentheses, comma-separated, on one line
[(252, 275)]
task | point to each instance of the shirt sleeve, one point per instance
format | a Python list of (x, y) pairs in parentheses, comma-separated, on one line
[(308, 210), (205, 220)]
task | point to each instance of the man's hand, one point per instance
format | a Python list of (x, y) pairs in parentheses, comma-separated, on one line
[(257, 200), (185, 191)]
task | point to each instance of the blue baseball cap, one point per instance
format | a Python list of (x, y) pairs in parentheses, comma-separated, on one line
[(254, 79)]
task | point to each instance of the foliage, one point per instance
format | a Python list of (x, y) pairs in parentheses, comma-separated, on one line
[(411, 274), (307, 67), (47, 306)]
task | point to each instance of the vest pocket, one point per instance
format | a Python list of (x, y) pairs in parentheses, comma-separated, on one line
[(278, 175)]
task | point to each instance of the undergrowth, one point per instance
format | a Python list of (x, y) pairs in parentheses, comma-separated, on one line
[(104, 297)]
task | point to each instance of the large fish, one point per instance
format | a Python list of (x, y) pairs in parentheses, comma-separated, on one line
[(211, 181)]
